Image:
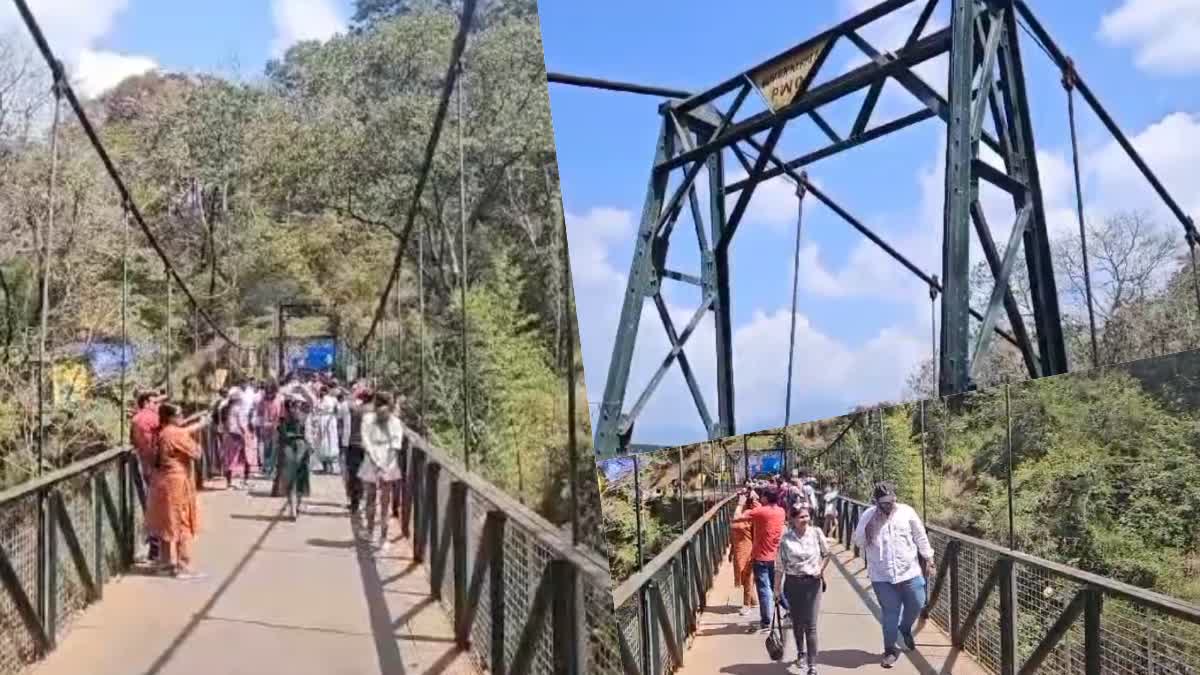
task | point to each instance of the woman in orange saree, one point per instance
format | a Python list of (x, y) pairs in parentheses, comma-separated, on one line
[(741, 542), (172, 510)]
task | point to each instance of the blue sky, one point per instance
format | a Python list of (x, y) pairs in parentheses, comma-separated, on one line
[(864, 322), (104, 41)]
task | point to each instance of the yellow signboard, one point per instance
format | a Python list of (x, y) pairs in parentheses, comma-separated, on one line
[(782, 80), (70, 381)]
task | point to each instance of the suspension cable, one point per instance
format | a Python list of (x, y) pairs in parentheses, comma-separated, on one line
[(462, 277), (787, 407), (47, 231), (933, 346), (1068, 83), (439, 118), (1192, 240), (65, 89), (124, 316)]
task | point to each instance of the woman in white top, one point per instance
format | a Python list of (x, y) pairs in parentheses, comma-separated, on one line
[(382, 439), (831, 495), (800, 574), (326, 431)]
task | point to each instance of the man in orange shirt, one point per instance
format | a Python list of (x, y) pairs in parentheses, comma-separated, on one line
[(143, 436), (768, 521)]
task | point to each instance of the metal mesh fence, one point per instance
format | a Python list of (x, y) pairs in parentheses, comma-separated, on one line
[(1143, 635), (672, 578), (19, 539), (530, 550), (33, 509)]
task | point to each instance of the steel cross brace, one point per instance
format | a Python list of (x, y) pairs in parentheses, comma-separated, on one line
[(695, 134)]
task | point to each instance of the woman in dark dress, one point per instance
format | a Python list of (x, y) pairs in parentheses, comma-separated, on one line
[(294, 453)]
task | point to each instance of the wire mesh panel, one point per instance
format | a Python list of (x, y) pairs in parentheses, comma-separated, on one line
[(51, 532), (539, 567), (1136, 631), (19, 540)]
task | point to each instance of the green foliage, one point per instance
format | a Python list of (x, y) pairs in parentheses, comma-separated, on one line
[(295, 188), (1105, 470)]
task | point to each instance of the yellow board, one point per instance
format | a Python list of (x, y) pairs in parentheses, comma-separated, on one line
[(782, 79), (71, 381)]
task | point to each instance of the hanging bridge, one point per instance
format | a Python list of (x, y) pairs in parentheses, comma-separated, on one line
[(986, 109), (475, 581), (991, 607)]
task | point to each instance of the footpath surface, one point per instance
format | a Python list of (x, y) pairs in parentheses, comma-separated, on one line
[(848, 633), (288, 597)]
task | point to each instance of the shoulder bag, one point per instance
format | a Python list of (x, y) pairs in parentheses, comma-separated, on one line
[(775, 637)]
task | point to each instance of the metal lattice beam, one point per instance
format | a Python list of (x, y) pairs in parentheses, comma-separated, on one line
[(985, 79)]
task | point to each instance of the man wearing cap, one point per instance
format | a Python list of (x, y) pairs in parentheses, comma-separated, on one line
[(899, 559)]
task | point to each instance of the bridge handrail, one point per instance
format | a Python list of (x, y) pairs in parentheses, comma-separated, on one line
[(1036, 625), (59, 475), (1151, 599), (62, 536), (547, 601), (528, 519), (664, 598), (627, 589)]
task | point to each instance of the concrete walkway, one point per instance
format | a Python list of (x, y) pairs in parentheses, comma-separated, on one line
[(848, 633), (298, 598)]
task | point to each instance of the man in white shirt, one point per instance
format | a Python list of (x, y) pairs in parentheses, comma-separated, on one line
[(899, 559)]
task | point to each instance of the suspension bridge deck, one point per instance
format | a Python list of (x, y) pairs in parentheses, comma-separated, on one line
[(848, 632), (279, 596)]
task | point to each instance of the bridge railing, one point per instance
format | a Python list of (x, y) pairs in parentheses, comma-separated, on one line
[(522, 597), (62, 536), (1016, 613), (657, 608)]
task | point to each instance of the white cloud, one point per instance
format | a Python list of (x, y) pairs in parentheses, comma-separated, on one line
[(1162, 33), (828, 376), (589, 237), (301, 20), (773, 203), (99, 71), (888, 34), (1171, 147), (73, 28)]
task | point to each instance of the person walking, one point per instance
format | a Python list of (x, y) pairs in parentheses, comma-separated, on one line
[(143, 437), (326, 430), (741, 536), (234, 439), (295, 455), (383, 438), (172, 509), (768, 523), (899, 559), (353, 455), (830, 499), (800, 577), (268, 416)]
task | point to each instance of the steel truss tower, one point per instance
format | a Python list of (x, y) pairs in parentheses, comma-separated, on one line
[(986, 80)]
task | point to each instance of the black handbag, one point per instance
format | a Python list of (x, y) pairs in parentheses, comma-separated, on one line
[(775, 638)]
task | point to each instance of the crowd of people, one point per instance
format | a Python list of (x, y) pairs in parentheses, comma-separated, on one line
[(779, 556), (280, 433)]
